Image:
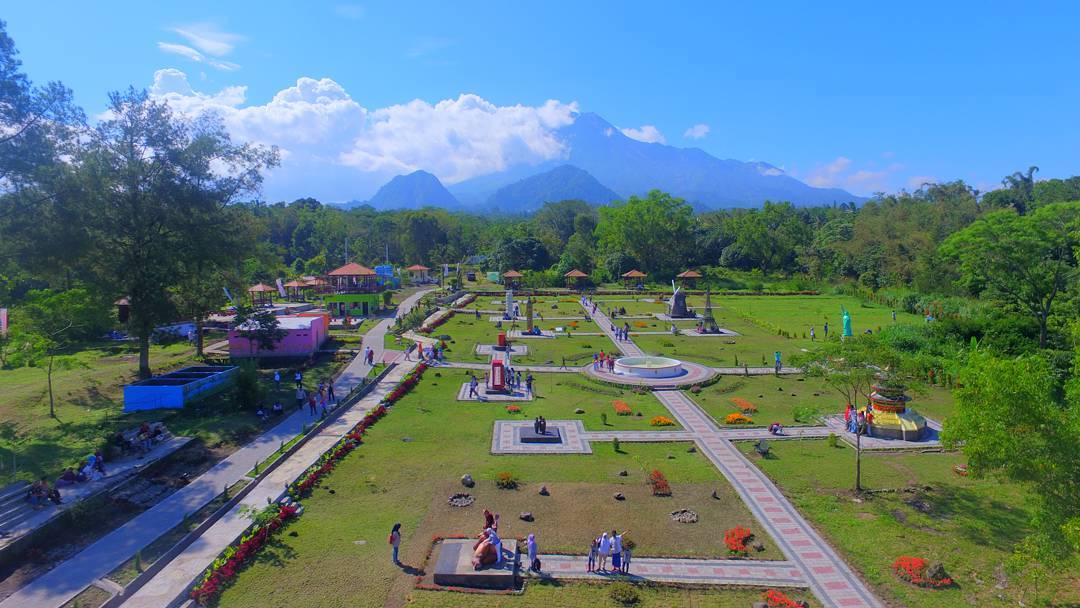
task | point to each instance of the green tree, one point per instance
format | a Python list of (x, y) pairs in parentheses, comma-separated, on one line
[(1024, 261), (1010, 423), (152, 182), (657, 230)]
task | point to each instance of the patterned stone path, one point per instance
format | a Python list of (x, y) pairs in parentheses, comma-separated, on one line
[(626, 346), (700, 571), (640, 436), (755, 371), (484, 395)]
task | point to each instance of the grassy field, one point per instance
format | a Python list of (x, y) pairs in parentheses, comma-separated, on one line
[(412, 461), (968, 525), (581, 595), (777, 398), (466, 332), (89, 404)]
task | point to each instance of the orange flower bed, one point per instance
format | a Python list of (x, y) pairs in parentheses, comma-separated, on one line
[(915, 571), (778, 599), (736, 540), (621, 407), (639, 324), (513, 409), (744, 406), (573, 324), (737, 418), (662, 421), (659, 483)]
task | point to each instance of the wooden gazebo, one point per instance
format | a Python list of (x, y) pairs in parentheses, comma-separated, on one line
[(261, 294), (353, 278), (295, 288), (418, 273), (688, 277), (573, 277), (633, 277), (319, 284), (511, 278)]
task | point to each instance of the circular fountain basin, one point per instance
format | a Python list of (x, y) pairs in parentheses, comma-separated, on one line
[(649, 367)]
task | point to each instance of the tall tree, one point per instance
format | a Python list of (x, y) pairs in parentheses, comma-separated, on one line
[(153, 181), (1025, 261), (657, 230)]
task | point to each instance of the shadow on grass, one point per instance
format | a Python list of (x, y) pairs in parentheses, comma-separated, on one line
[(980, 519), (275, 553)]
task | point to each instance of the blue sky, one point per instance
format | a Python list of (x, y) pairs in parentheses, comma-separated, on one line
[(864, 96)]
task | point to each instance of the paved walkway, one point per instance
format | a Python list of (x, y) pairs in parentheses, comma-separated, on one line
[(693, 571), (540, 369), (755, 371), (626, 346), (57, 586)]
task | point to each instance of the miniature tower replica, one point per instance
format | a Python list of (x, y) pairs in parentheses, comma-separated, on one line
[(892, 419), (677, 305), (497, 378), (529, 315), (508, 314), (708, 323)]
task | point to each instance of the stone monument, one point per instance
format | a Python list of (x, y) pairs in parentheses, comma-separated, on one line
[(847, 323), (508, 313), (529, 315), (892, 418), (708, 323), (677, 305)]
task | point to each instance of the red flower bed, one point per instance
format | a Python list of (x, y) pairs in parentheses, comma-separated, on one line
[(659, 483), (226, 567), (736, 540), (621, 407), (430, 327), (914, 570), (778, 599)]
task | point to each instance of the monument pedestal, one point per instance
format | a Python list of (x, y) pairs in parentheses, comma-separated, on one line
[(527, 435), (453, 567)]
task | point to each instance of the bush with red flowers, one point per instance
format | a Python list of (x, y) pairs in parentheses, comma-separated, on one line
[(225, 568), (918, 571), (737, 539), (779, 599), (443, 317), (659, 483)]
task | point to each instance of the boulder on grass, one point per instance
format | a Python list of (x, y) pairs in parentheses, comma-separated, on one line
[(544, 491), (467, 481), (620, 496), (526, 516)]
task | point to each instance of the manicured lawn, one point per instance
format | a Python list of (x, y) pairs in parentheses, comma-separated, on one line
[(412, 460), (776, 399), (797, 314), (969, 525), (582, 595), (89, 404), (466, 332)]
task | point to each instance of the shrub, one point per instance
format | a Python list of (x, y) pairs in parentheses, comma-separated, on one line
[(744, 406), (624, 594), (832, 440), (737, 418), (696, 389), (659, 483), (603, 418), (737, 539), (513, 409), (918, 571), (615, 444), (621, 407), (506, 481), (805, 413), (778, 599), (661, 421)]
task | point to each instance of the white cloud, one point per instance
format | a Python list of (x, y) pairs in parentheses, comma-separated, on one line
[(841, 173), (350, 11), (338, 149), (697, 131), (190, 53), (646, 133), (208, 38), (916, 181)]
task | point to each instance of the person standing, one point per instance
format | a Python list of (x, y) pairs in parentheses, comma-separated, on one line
[(627, 546), (826, 328), (311, 403), (529, 383), (894, 316), (604, 552), (299, 378), (594, 550), (277, 379), (330, 389), (534, 556), (301, 397), (776, 355), (472, 386), (811, 333), (616, 551), (395, 541)]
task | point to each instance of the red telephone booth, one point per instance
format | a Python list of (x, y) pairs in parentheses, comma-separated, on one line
[(502, 339), (498, 375)]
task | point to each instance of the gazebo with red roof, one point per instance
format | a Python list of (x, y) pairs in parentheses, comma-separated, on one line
[(261, 294), (511, 278), (353, 278), (295, 288), (573, 277), (632, 277), (418, 273), (689, 277)]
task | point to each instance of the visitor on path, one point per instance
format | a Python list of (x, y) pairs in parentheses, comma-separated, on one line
[(529, 383), (395, 541), (534, 554), (261, 413), (604, 551), (278, 409), (330, 390), (301, 397), (776, 428), (594, 551), (311, 403), (517, 381), (626, 556), (811, 333), (322, 407), (298, 377), (68, 478), (473, 384), (776, 356), (860, 422), (616, 551), (322, 390), (277, 380), (826, 328), (869, 421), (894, 316), (477, 314)]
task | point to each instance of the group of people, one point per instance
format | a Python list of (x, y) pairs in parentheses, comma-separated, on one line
[(859, 420), (610, 546), (319, 401), (602, 361), (622, 334), (588, 304), (428, 354), (40, 493), (540, 425), (487, 551)]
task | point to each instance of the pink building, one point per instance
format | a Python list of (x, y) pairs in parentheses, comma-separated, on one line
[(304, 335)]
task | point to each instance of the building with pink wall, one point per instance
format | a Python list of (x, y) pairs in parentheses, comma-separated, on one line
[(304, 335)]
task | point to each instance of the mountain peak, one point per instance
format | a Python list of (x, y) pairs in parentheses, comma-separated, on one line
[(564, 182), (412, 191)]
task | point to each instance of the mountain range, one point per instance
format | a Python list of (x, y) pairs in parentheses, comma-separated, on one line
[(602, 164)]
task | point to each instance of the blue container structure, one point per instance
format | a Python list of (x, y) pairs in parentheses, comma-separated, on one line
[(176, 389)]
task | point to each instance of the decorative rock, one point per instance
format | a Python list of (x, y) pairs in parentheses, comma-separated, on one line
[(623, 473), (525, 516), (761, 396), (780, 389), (579, 411), (620, 496), (671, 456), (406, 439), (544, 491), (460, 500), (936, 571), (332, 491), (760, 605), (792, 394), (758, 546), (691, 450), (684, 516), (467, 481), (715, 495), (293, 534)]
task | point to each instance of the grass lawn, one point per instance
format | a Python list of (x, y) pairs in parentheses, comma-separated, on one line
[(777, 397), (342, 535), (969, 525), (466, 332), (583, 595), (89, 404)]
